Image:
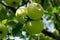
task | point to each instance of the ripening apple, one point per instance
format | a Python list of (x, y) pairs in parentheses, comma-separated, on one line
[(12, 3), (35, 11), (3, 31), (21, 14), (34, 27)]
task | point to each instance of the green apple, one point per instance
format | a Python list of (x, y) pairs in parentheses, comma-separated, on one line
[(3, 31), (12, 3), (21, 14), (34, 27), (35, 11)]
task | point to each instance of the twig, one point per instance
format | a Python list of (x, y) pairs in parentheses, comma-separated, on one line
[(51, 35), (42, 3), (56, 17), (11, 8)]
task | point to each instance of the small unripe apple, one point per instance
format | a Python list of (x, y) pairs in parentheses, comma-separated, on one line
[(35, 11), (34, 27), (3, 31), (21, 14)]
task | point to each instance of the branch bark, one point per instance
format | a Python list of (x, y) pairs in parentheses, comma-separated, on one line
[(56, 15), (51, 35), (42, 3), (11, 8)]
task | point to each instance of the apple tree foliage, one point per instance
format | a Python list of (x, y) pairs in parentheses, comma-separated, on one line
[(27, 16)]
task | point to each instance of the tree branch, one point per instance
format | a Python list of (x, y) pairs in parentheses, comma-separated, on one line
[(42, 3), (55, 14), (51, 35), (24, 2), (56, 17), (11, 8)]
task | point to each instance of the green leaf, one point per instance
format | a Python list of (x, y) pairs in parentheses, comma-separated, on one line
[(4, 21), (17, 30), (54, 10), (3, 13)]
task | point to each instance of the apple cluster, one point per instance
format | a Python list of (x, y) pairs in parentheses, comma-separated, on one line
[(31, 16)]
